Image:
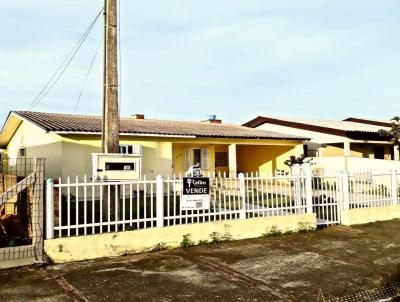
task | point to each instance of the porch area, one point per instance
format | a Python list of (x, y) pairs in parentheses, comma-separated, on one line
[(233, 158)]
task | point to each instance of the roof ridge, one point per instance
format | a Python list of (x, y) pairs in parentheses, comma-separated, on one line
[(72, 123)]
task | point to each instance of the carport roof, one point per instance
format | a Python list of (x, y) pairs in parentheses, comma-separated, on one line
[(68, 123), (347, 128)]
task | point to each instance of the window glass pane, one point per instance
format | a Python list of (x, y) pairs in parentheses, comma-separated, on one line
[(196, 156), (221, 159), (130, 150)]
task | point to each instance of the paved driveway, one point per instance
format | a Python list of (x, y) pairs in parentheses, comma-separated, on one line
[(333, 262)]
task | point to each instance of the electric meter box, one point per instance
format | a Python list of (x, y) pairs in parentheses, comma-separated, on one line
[(116, 167)]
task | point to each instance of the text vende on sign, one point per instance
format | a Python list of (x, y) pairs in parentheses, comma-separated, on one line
[(195, 193)]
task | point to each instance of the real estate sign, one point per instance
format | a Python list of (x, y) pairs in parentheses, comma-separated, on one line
[(195, 193)]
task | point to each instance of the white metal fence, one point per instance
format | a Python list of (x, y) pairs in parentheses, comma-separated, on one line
[(373, 189), (80, 207), (84, 207)]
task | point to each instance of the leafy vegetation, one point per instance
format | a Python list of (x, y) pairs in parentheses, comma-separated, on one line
[(304, 227), (274, 231), (187, 241), (394, 132), (297, 160), (217, 238)]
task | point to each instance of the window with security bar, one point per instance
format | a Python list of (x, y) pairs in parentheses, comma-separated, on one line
[(221, 159)]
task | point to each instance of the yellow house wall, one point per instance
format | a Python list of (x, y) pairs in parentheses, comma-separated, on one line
[(70, 155), (77, 150), (265, 159), (116, 244), (331, 150), (367, 150), (356, 150), (178, 151), (38, 143)]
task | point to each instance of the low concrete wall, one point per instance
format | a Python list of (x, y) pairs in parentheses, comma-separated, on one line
[(116, 244), (367, 215)]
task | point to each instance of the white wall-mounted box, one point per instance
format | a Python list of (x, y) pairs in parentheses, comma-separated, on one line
[(116, 167)]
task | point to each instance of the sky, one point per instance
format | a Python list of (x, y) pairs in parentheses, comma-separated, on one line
[(184, 59)]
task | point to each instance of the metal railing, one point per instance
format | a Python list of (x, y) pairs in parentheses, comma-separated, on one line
[(86, 207), (80, 207)]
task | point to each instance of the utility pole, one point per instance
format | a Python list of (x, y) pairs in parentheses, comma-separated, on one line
[(110, 135)]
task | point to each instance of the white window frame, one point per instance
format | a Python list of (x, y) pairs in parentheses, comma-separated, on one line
[(204, 158), (125, 148)]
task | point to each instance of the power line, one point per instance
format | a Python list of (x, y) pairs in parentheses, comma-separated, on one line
[(86, 77), (64, 65)]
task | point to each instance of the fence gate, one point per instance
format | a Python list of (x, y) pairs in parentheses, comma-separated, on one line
[(326, 195), (21, 211)]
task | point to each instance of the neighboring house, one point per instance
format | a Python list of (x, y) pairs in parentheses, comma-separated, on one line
[(352, 138), (168, 147), (380, 123)]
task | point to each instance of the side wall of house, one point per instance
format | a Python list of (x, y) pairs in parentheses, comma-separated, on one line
[(332, 145), (37, 143), (78, 149), (265, 159)]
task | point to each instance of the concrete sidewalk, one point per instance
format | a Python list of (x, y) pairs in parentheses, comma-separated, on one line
[(333, 262)]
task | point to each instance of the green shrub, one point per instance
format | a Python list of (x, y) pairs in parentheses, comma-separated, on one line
[(187, 241), (274, 231), (216, 238), (305, 227)]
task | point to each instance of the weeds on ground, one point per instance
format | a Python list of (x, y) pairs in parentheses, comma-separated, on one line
[(129, 228), (159, 247), (203, 242), (321, 297), (217, 238), (305, 227), (274, 231), (187, 241)]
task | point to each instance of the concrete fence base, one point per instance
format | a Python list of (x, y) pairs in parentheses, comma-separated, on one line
[(116, 244), (372, 214)]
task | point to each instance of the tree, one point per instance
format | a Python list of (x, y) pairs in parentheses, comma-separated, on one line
[(394, 132), (297, 160)]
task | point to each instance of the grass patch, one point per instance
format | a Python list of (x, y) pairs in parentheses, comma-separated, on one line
[(305, 227), (274, 231)]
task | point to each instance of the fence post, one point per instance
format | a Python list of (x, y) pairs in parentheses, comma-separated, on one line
[(160, 201), (242, 186), (346, 191), (309, 190), (394, 187), (50, 209), (297, 187)]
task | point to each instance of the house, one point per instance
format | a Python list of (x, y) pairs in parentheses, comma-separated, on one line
[(341, 141), (380, 123), (168, 147)]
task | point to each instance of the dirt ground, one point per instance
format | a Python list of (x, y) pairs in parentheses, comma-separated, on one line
[(319, 266)]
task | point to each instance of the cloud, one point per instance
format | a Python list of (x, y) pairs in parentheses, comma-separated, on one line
[(182, 59)]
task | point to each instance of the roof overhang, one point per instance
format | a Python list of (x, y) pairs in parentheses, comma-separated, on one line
[(260, 120), (368, 122), (180, 136), (355, 135), (10, 126)]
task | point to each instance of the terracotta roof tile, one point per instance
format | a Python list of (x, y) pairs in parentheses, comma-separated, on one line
[(57, 122)]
